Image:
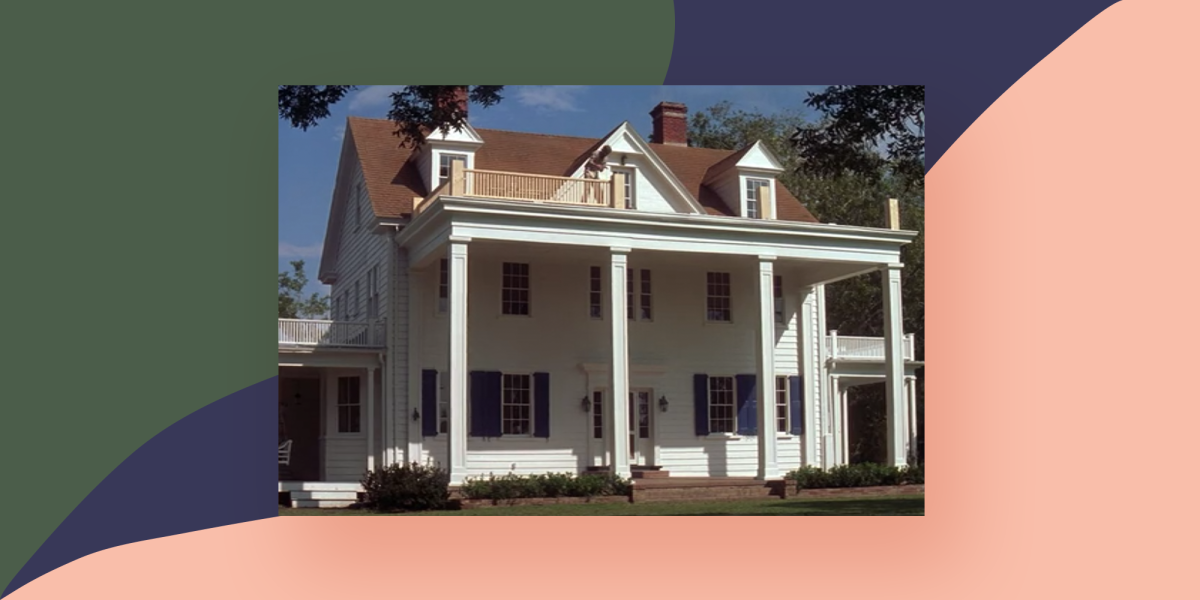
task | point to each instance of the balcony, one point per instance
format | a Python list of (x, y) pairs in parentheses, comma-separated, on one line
[(503, 185), (846, 347), (307, 333)]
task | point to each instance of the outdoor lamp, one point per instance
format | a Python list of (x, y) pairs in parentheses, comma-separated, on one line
[(416, 415), (586, 404), (663, 404)]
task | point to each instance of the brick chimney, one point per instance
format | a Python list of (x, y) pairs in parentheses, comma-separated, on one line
[(458, 96), (670, 124)]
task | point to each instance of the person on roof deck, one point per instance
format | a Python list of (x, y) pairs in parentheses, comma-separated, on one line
[(595, 165)]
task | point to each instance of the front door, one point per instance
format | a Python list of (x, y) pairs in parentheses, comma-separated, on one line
[(640, 427), (300, 421)]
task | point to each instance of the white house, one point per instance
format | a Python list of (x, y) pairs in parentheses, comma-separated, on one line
[(494, 312)]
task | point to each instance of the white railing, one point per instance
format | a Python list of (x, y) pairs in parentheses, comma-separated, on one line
[(869, 348), (538, 188), (346, 334)]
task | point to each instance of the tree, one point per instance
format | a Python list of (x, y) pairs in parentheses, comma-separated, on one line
[(415, 110), (859, 121), (849, 197), (292, 303)]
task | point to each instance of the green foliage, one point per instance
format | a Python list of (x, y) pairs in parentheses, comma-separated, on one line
[(856, 475), (292, 304), (415, 108), (407, 488), (860, 121), (551, 485)]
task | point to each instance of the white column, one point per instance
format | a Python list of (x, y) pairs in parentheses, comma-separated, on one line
[(457, 406), (893, 348), (829, 450), (911, 422), (809, 365), (844, 427), (764, 354), (619, 373), (371, 418)]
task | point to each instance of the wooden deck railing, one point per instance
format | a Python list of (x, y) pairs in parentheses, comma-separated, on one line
[(343, 334), (503, 185), (870, 348)]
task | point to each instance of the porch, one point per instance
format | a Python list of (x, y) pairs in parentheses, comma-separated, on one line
[(472, 260)]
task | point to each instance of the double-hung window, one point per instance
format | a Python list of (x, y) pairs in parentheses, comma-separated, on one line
[(444, 163), (720, 298), (514, 295), (781, 404), (722, 411), (630, 186), (349, 407), (516, 404), (754, 197)]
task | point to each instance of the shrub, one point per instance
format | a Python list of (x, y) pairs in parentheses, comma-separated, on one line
[(551, 485), (406, 488), (856, 475)]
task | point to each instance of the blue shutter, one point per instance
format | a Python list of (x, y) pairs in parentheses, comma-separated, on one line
[(701, 401), (491, 399), (747, 405), (796, 404), (479, 408), (541, 405), (429, 403)]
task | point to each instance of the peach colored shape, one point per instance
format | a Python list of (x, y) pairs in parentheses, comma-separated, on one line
[(1062, 331)]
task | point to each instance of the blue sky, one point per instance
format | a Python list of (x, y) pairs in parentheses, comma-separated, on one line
[(308, 159)]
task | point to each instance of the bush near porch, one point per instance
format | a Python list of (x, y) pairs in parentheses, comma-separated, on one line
[(410, 487), (857, 475), (551, 485)]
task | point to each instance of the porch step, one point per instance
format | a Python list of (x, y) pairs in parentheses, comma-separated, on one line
[(351, 496), (651, 474), (322, 503)]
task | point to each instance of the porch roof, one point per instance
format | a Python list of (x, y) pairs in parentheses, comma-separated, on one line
[(831, 251)]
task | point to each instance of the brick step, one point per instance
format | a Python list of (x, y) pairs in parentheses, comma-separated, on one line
[(639, 474)]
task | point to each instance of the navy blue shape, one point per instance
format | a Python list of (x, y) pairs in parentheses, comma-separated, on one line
[(967, 54), (214, 467)]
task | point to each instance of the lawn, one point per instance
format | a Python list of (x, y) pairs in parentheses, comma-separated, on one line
[(870, 506)]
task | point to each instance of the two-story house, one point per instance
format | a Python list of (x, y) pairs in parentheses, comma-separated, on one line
[(500, 305)]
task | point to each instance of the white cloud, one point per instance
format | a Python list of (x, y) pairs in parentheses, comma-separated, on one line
[(550, 97), (287, 250), (339, 133), (373, 96)]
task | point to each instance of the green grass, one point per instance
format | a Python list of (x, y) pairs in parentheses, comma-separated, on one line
[(871, 506)]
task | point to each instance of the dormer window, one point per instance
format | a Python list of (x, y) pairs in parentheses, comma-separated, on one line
[(754, 197), (444, 165)]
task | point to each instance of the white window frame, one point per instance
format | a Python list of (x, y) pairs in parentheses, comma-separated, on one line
[(756, 201), (348, 403), (779, 300), (708, 296), (597, 424), (596, 293), (630, 174), (443, 405), (528, 289), (782, 405), (645, 297), (528, 403), (441, 299), (444, 160), (733, 427)]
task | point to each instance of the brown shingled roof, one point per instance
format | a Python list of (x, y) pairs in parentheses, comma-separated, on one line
[(393, 179)]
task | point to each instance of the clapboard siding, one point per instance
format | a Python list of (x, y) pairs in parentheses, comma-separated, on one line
[(560, 335), (361, 251), (345, 458)]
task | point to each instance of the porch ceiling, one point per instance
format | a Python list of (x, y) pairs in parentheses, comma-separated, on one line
[(814, 253)]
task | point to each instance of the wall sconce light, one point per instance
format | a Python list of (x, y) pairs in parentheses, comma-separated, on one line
[(586, 404), (663, 404), (416, 415), (622, 159)]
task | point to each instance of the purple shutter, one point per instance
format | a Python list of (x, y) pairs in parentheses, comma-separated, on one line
[(700, 391), (491, 400), (747, 404), (541, 405), (796, 404), (479, 409), (429, 403)]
